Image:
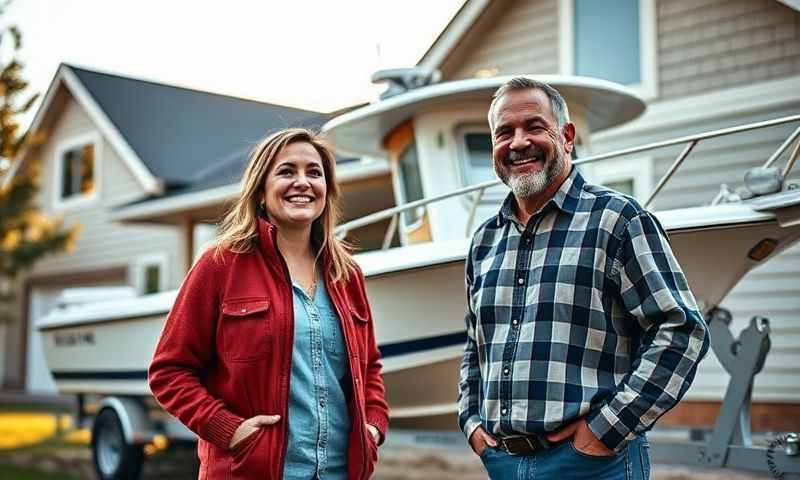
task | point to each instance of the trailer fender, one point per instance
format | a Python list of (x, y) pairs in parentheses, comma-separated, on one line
[(137, 427)]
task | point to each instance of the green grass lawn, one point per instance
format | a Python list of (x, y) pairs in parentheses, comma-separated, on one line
[(8, 472)]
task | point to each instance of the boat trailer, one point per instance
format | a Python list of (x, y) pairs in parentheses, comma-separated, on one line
[(730, 443)]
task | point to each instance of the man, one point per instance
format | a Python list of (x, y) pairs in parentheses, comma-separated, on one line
[(581, 328)]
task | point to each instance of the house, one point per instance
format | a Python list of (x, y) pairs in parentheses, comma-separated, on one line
[(700, 66), (119, 149)]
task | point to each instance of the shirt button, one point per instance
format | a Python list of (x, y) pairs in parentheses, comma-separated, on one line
[(506, 371), (504, 411), (520, 281), (514, 321), (244, 310)]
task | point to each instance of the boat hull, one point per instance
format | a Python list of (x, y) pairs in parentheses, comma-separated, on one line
[(417, 297)]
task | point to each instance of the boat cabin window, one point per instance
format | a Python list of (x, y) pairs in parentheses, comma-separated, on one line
[(474, 144), (410, 182)]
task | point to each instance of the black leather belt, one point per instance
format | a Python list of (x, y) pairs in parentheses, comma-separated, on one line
[(523, 445)]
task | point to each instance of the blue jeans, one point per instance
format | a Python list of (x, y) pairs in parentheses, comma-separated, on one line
[(565, 462)]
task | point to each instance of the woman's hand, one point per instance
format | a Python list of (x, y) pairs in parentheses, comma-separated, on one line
[(251, 426), (376, 434)]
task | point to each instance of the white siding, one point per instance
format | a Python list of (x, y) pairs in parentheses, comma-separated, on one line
[(101, 242)]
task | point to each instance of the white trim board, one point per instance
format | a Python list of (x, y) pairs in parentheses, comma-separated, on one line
[(453, 33), (65, 75), (760, 97)]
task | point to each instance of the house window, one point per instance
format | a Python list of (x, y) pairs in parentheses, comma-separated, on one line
[(631, 176), (612, 40), (76, 170), (150, 273), (616, 57)]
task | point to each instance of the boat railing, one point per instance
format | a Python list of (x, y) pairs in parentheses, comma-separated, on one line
[(690, 141)]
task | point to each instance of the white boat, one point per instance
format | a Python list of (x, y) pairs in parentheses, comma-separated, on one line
[(416, 288)]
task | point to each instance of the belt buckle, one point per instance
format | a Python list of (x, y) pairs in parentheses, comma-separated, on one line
[(531, 445)]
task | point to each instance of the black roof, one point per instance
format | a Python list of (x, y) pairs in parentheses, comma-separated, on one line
[(190, 139)]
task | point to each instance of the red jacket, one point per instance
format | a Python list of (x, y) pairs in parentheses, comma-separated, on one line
[(225, 355)]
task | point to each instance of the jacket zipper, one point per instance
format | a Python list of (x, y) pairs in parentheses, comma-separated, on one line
[(287, 368), (347, 340)]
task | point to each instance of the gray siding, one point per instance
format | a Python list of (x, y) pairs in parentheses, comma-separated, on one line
[(101, 241), (707, 45), (522, 36)]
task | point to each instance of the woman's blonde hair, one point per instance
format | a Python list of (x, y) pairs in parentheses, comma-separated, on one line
[(239, 228)]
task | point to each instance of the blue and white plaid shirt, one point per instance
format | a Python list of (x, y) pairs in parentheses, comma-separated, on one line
[(584, 311)]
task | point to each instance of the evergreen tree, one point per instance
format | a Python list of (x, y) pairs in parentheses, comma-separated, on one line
[(25, 234)]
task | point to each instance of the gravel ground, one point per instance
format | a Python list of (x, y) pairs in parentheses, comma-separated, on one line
[(397, 463)]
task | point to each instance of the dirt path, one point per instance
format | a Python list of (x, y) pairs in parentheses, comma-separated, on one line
[(397, 463)]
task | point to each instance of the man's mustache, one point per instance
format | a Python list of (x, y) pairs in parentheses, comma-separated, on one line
[(529, 152)]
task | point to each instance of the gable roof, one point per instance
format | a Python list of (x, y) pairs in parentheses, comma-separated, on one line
[(170, 137), (449, 38), (178, 132)]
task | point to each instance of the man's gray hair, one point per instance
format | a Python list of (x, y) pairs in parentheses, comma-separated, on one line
[(557, 102)]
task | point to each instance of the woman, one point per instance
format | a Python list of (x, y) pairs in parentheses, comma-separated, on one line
[(269, 352)]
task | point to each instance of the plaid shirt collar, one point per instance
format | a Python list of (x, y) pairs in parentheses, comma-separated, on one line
[(566, 199)]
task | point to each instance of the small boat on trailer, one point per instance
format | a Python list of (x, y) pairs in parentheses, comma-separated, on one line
[(416, 287)]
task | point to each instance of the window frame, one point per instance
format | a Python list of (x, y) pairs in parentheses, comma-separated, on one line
[(161, 259), (81, 199), (648, 50)]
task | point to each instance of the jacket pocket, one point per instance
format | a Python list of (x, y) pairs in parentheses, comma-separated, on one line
[(251, 457), (245, 329)]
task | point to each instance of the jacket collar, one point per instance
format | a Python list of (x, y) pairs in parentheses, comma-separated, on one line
[(565, 199), (267, 243)]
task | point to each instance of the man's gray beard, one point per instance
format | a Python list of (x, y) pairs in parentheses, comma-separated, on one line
[(527, 185)]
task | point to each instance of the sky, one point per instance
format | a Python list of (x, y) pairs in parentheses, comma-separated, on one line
[(317, 55)]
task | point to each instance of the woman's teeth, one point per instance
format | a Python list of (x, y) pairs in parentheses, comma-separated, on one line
[(300, 199)]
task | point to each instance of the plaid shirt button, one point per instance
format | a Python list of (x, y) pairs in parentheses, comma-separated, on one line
[(504, 411), (506, 371), (520, 281)]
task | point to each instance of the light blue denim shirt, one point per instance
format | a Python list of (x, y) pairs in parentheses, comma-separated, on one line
[(319, 422)]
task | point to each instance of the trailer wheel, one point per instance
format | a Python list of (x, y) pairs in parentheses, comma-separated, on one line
[(113, 458)]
